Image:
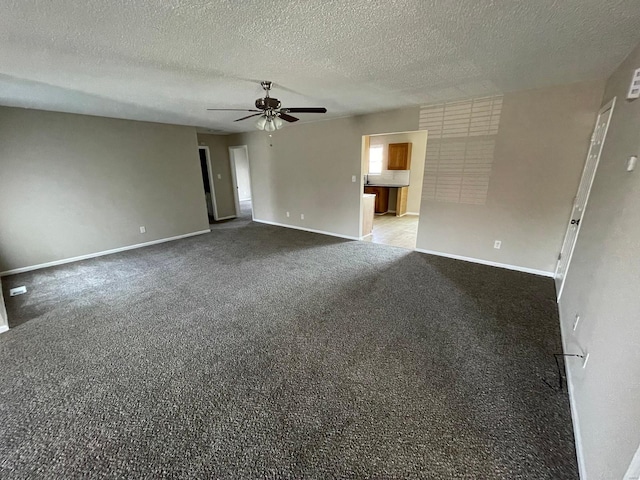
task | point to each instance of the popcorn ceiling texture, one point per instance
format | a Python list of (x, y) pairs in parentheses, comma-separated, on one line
[(167, 60)]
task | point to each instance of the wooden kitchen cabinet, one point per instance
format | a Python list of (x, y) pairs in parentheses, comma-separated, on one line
[(382, 197), (399, 156)]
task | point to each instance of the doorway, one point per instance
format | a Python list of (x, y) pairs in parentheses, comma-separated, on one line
[(241, 178), (582, 197), (393, 170), (207, 182)]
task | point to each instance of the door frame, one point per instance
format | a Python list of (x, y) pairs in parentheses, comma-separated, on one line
[(234, 176), (608, 107), (211, 184)]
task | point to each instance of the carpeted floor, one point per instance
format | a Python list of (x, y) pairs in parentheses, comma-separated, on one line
[(264, 352)]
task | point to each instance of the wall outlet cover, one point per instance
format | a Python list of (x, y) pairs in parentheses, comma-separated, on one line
[(17, 291), (302, 216), (497, 244), (143, 229)]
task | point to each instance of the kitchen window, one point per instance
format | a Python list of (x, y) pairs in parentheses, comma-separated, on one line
[(375, 159)]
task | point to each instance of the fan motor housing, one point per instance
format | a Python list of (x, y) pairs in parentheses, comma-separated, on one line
[(267, 102)]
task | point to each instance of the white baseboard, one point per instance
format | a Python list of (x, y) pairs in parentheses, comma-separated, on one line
[(577, 435), (365, 236), (295, 227), (226, 218), (99, 254), (4, 328), (487, 262), (405, 213)]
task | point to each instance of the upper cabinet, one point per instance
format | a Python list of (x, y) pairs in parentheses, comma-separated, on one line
[(399, 156)]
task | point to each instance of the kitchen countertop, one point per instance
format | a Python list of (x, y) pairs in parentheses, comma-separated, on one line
[(383, 185)]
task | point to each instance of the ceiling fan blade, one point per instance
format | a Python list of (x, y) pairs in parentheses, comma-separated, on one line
[(232, 110), (305, 110), (287, 118), (248, 116)]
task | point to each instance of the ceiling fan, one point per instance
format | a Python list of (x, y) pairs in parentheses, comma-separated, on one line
[(271, 112)]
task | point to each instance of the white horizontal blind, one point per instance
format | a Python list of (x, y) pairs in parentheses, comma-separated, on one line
[(460, 149)]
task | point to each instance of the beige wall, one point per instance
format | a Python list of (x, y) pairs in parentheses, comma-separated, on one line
[(602, 286), (539, 152), (418, 152), (223, 186), (73, 185), (307, 168)]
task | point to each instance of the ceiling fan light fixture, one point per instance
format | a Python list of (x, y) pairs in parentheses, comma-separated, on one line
[(261, 122), (271, 115), (270, 125)]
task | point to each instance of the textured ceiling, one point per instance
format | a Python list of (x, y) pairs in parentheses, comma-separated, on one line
[(167, 60)]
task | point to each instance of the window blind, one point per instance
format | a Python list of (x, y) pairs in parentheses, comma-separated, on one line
[(460, 149)]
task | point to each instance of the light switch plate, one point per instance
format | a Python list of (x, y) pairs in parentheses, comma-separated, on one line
[(631, 163)]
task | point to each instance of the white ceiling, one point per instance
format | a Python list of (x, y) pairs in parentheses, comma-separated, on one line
[(167, 60)]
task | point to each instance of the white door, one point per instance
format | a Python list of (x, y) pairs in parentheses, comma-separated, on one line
[(580, 201), (240, 176)]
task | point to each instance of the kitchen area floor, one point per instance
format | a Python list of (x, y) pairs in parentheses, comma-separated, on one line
[(397, 231)]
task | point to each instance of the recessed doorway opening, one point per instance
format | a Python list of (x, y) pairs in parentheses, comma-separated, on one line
[(393, 171), (207, 182)]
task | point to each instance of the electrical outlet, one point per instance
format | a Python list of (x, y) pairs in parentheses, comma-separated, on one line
[(575, 322), (302, 216), (353, 178), (497, 244), (219, 177), (17, 291), (585, 359), (143, 229), (288, 214)]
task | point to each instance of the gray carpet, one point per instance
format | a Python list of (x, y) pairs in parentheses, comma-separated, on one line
[(263, 352)]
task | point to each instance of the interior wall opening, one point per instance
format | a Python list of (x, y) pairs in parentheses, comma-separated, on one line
[(207, 183), (393, 171)]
